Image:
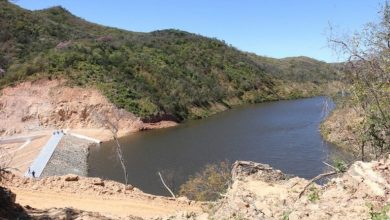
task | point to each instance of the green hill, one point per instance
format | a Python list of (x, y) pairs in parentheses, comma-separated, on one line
[(166, 73), (299, 69)]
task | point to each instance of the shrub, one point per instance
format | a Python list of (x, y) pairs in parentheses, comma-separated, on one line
[(381, 214), (209, 183), (340, 165), (313, 196)]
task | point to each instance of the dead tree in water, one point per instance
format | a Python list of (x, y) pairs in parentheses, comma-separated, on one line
[(166, 186), (112, 123)]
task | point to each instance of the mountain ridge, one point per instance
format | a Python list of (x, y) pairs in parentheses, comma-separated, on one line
[(157, 74)]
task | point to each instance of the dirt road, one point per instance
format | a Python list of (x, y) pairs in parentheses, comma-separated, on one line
[(107, 197), (109, 206)]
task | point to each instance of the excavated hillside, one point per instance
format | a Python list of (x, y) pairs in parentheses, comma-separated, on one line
[(44, 104)]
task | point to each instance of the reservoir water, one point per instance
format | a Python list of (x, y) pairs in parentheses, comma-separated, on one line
[(284, 134)]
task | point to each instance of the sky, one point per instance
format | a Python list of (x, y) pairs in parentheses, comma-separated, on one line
[(273, 28)]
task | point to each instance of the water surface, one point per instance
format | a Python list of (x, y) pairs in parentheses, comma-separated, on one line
[(284, 134)]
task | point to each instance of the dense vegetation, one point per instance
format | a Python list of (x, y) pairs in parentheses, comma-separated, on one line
[(166, 73), (368, 74), (299, 69)]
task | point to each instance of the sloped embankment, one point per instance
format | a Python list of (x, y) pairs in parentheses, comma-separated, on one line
[(45, 104), (342, 129), (70, 156)]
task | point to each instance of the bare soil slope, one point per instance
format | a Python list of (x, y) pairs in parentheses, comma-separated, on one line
[(44, 104)]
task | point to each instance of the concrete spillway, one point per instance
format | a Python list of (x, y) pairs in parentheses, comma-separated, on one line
[(44, 156)]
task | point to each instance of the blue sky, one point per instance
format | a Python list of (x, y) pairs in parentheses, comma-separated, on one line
[(274, 28)]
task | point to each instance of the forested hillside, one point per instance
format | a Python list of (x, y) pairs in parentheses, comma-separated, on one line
[(164, 73)]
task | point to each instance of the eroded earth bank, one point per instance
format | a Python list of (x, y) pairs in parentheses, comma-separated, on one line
[(258, 192), (44, 104)]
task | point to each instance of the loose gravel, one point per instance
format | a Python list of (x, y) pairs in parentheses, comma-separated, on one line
[(70, 157)]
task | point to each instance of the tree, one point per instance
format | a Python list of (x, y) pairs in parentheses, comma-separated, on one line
[(111, 122), (368, 71), (5, 162)]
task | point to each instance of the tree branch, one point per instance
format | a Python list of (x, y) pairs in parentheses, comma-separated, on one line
[(163, 182), (315, 179)]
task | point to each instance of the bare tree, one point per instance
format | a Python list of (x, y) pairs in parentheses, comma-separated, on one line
[(111, 122), (5, 162), (166, 186)]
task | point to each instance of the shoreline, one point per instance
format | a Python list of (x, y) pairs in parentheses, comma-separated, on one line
[(338, 129), (26, 146), (71, 156), (104, 135)]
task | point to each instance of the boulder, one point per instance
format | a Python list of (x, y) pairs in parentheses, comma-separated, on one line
[(98, 182), (71, 177), (261, 171), (8, 208), (129, 187)]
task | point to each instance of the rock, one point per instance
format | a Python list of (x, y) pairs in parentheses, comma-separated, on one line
[(184, 199), (71, 177), (8, 208), (267, 212), (135, 189), (260, 205), (35, 187), (98, 182), (262, 171), (376, 183), (242, 205), (129, 187)]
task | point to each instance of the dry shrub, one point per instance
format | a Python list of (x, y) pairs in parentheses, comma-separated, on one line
[(208, 184)]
